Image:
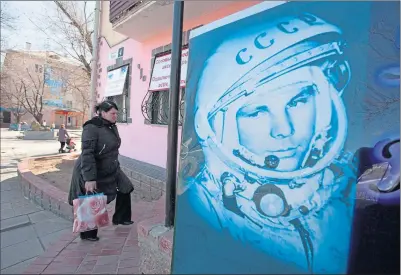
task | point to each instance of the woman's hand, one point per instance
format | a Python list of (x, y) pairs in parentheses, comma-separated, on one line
[(90, 186)]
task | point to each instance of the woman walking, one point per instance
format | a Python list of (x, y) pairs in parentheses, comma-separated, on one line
[(98, 169), (62, 136)]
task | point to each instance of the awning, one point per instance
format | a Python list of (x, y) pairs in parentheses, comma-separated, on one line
[(160, 79), (116, 81), (68, 112)]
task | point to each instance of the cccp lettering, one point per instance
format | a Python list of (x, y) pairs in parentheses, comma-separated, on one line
[(258, 43), (287, 27), (240, 60)]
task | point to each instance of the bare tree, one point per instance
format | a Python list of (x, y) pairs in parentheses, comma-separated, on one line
[(34, 89), (71, 28), (7, 23), (23, 93), (12, 97)]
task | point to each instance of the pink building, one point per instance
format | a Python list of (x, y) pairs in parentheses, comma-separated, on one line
[(136, 36)]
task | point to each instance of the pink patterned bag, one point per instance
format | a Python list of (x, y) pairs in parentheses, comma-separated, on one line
[(90, 212)]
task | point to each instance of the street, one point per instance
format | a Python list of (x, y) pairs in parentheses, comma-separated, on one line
[(26, 229)]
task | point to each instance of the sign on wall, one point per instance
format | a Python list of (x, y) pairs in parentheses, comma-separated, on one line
[(116, 81), (292, 119), (53, 102), (116, 54), (161, 72)]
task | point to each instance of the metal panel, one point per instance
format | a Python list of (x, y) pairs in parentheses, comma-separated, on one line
[(119, 7)]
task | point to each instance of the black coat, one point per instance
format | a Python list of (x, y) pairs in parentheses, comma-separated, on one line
[(99, 161)]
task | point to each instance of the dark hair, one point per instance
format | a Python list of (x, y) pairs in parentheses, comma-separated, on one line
[(105, 106)]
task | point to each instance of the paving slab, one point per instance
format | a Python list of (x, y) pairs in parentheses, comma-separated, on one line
[(20, 252), (15, 222), (18, 268), (6, 214), (17, 236), (51, 238), (51, 226), (41, 216)]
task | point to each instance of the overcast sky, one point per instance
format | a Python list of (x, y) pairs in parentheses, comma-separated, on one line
[(26, 31)]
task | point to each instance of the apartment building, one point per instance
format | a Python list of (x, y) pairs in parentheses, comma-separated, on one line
[(44, 86)]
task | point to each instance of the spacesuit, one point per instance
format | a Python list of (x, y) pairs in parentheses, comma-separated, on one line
[(272, 125)]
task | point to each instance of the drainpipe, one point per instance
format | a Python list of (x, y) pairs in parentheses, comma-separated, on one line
[(175, 79), (94, 60)]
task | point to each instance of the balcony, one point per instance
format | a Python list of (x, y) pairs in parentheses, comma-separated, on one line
[(142, 20), (119, 8)]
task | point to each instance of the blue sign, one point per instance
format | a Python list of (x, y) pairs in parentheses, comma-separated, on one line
[(54, 103), (279, 104), (54, 83)]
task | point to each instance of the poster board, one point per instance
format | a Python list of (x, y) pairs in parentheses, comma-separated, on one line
[(115, 81), (161, 71), (281, 112)]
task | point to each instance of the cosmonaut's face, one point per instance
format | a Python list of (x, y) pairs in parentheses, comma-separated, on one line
[(279, 118)]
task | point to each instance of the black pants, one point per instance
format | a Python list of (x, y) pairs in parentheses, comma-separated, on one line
[(62, 144), (122, 213)]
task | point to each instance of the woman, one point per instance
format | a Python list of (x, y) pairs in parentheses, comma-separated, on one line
[(98, 169), (62, 136)]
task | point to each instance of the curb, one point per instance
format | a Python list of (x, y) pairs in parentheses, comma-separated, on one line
[(42, 193), (13, 223)]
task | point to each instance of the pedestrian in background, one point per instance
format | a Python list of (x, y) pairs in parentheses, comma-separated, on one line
[(98, 169), (62, 137)]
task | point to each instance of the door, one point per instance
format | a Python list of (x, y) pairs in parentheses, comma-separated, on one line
[(6, 117)]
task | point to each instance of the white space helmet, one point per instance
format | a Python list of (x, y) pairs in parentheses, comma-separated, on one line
[(253, 57)]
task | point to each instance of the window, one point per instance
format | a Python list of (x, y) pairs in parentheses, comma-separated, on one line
[(120, 98), (38, 68), (155, 107)]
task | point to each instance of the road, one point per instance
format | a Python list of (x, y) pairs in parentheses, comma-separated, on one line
[(26, 229)]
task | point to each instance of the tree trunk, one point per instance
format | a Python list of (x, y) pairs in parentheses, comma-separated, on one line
[(83, 117), (39, 118), (17, 117)]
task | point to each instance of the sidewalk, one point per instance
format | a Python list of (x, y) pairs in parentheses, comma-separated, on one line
[(116, 252), (26, 230)]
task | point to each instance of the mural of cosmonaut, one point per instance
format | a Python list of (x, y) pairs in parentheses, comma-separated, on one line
[(270, 118)]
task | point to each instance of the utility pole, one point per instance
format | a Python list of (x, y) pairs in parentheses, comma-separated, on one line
[(175, 79), (94, 60)]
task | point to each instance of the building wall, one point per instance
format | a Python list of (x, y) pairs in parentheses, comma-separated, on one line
[(141, 141), (22, 65), (106, 29)]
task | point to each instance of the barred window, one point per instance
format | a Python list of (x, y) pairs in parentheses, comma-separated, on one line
[(156, 107)]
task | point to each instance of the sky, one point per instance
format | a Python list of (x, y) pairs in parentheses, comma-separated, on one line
[(26, 31)]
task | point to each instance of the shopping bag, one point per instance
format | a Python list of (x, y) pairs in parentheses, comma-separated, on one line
[(90, 212)]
